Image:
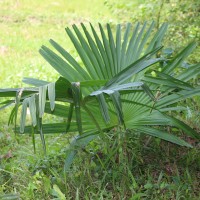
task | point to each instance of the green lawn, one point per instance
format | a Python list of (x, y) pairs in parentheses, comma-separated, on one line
[(26, 25)]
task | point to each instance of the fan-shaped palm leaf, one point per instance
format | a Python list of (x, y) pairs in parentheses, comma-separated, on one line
[(112, 85)]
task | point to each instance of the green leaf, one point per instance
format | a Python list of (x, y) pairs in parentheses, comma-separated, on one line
[(148, 91), (61, 66), (70, 59), (112, 49), (192, 72), (32, 107), (96, 52), (101, 49), (11, 92), (177, 97), (92, 83), (93, 64), (131, 45), (33, 138), (107, 50), (7, 104), (12, 115), (166, 80), (118, 48), (179, 124), (70, 155), (103, 107), (163, 135), (23, 115), (136, 53), (178, 60), (42, 99), (57, 192), (35, 82), (115, 97), (134, 68), (51, 95), (69, 119), (83, 55), (77, 103), (157, 38), (142, 42), (40, 127), (63, 90), (78, 143), (112, 89), (124, 46)]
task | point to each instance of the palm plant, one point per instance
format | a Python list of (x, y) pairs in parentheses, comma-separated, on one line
[(112, 86)]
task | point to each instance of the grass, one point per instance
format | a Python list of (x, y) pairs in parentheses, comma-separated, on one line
[(133, 169), (158, 170), (26, 26)]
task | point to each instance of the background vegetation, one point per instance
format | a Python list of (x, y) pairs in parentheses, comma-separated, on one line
[(161, 170)]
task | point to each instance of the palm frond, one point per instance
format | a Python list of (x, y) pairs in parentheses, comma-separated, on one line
[(112, 84)]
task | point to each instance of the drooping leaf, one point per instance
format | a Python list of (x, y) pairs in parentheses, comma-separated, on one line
[(32, 107), (6, 104), (42, 99), (23, 115), (51, 95), (40, 128), (163, 135)]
